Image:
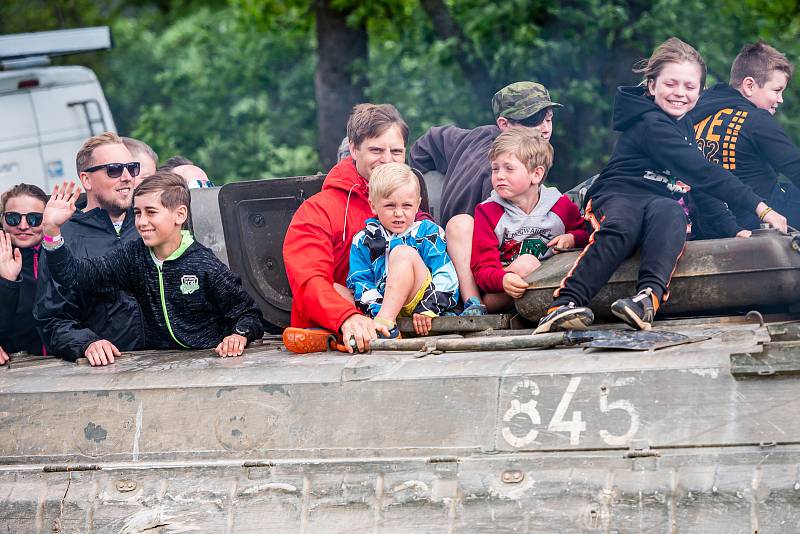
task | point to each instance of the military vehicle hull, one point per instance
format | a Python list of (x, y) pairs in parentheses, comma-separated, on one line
[(698, 437), (695, 437)]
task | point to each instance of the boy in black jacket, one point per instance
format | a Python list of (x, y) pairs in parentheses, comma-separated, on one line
[(736, 128), (188, 297)]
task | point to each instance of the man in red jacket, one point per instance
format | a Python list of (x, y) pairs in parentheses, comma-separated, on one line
[(316, 249)]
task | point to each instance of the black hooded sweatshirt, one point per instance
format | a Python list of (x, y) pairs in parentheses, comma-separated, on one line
[(191, 300), (69, 320), (756, 148), (462, 156), (656, 155), (17, 327)]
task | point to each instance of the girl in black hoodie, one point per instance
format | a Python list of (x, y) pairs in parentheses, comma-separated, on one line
[(22, 207), (634, 202)]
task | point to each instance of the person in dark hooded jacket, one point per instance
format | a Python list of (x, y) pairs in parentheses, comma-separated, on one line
[(633, 203), (192, 299), (85, 323), (736, 128), (20, 242)]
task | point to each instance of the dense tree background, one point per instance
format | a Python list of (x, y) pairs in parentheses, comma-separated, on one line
[(260, 88)]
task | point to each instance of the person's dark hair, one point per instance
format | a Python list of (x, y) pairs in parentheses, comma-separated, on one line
[(175, 161), (534, 120), (372, 120), (173, 189), (137, 147), (758, 60), (22, 190), (673, 50)]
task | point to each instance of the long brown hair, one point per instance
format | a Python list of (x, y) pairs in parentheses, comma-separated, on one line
[(673, 50)]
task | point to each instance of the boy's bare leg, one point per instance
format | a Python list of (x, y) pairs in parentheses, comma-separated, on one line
[(459, 246), (523, 266), (407, 273), (344, 292)]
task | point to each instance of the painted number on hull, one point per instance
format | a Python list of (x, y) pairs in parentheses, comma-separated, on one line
[(522, 417)]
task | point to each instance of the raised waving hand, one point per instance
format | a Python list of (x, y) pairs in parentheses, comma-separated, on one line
[(10, 259), (60, 207)]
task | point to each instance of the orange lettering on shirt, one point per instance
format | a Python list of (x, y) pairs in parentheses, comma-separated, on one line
[(711, 136)]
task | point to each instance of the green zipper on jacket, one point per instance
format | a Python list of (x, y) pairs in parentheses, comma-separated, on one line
[(185, 242), (164, 307)]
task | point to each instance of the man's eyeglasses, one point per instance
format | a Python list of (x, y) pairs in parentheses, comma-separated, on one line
[(115, 170), (13, 218)]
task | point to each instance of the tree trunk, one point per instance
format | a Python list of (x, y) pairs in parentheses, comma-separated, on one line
[(474, 69), (340, 47)]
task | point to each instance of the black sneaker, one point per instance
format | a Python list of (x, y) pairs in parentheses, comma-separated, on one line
[(566, 317), (637, 311)]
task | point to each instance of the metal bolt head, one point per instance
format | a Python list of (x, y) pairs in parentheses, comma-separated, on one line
[(257, 220), (512, 477), (126, 485)]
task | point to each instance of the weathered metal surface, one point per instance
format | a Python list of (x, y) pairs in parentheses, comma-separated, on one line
[(710, 490), (719, 275), (779, 358), (206, 221), (503, 441), (458, 323)]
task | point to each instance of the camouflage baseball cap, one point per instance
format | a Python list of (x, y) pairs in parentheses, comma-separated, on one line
[(520, 100)]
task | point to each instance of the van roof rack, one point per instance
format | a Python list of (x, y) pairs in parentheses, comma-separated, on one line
[(24, 50)]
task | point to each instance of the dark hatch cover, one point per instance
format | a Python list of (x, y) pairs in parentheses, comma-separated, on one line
[(255, 217)]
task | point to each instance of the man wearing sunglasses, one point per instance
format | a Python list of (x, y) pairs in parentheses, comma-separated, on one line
[(97, 325)]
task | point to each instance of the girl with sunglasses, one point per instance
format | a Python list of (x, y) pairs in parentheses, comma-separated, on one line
[(21, 208)]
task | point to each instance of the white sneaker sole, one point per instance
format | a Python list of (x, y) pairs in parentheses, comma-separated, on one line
[(631, 319)]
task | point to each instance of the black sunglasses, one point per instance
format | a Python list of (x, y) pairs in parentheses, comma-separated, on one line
[(115, 170), (13, 218)]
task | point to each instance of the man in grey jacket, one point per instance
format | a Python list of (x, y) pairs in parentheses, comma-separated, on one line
[(462, 156)]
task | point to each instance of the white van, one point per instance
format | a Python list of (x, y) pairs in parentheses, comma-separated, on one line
[(46, 113)]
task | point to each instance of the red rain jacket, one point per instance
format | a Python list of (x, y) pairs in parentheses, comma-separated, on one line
[(316, 250)]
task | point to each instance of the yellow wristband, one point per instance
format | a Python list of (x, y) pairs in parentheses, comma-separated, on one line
[(764, 213)]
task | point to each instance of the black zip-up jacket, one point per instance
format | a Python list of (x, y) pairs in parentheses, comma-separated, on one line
[(756, 149), (17, 327), (191, 301), (656, 155), (69, 320), (462, 156)]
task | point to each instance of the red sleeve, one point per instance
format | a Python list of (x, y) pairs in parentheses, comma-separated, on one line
[(485, 262), (574, 224), (308, 256)]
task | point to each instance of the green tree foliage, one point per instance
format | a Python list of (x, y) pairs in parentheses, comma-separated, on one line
[(230, 84)]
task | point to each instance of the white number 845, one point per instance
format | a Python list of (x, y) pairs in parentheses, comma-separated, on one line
[(574, 426)]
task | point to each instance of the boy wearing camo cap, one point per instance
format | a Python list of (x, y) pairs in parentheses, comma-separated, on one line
[(462, 157)]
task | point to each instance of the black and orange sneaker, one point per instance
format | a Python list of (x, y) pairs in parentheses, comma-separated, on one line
[(566, 317), (638, 311)]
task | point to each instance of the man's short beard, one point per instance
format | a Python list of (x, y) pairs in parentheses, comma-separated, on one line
[(114, 209)]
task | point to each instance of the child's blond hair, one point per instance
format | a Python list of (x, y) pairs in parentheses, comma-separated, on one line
[(390, 177), (527, 144), (758, 60)]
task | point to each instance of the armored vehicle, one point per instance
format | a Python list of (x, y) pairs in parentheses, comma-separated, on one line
[(481, 428)]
